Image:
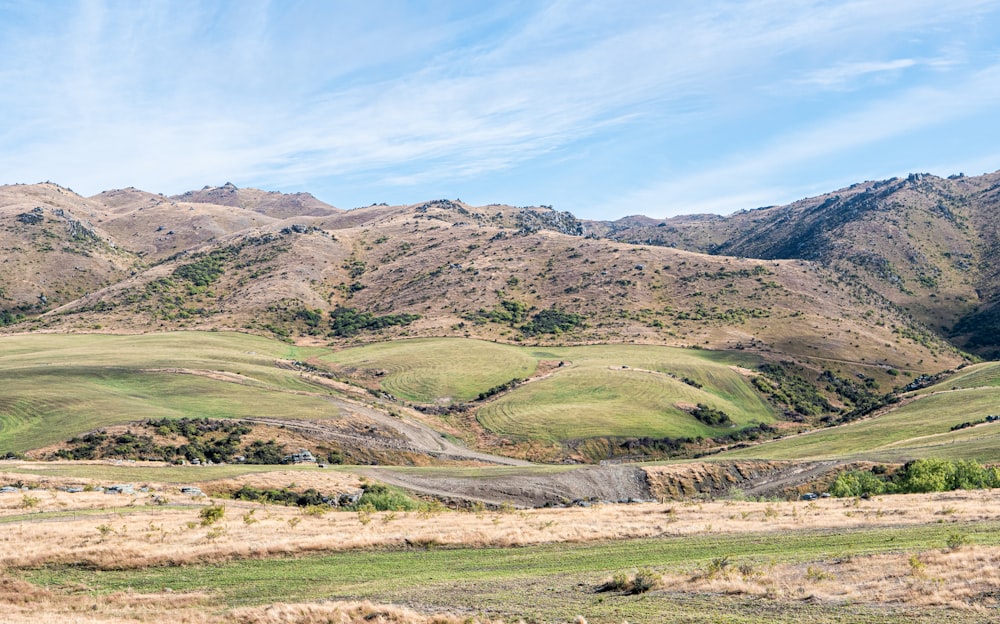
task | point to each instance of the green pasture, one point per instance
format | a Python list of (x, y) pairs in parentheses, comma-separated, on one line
[(551, 582), (53, 387), (435, 369), (600, 390), (592, 401), (982, 375), (918, 429)]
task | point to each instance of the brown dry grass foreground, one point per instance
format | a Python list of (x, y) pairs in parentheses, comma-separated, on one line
[(24, 603), (964, 578), (43, 527), (50, 527)]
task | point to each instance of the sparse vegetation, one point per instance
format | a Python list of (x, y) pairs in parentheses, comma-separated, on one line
[(200, 439)]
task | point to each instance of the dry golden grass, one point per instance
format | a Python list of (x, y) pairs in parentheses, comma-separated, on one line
[(964, 579), (344, 613), (24, 603), (322, 480), (114, 532)]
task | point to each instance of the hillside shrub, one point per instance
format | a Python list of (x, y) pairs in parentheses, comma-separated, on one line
[(711, 416), (507, 312), (346, 322), (513, 383), (211, 514), (260, 452), (858, 483), (9, 318), (283, 496), (551, 321), (202, 439), (205, 270), (790, 391)]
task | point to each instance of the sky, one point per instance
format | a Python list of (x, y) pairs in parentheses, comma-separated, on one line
[(604, 109)]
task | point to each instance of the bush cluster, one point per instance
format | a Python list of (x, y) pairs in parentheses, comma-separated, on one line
[(205, 439), (347, 322), (513, 383), (283, 496), (711, 416), (918, 476), (10, 318), (790, 391), (551, 321), (206, 269), (516, 314)]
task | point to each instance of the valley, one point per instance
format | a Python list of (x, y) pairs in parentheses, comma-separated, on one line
[(498, 402)]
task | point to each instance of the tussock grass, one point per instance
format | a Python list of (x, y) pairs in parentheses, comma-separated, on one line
[(25, 603), (702, 561), (964, 579), (145, 534)]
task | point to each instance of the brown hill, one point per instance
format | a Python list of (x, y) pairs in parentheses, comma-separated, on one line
[(500, 272), (272, 204), (927, 244), (156, 227), (133, 261), (54, 250), (58, 246)]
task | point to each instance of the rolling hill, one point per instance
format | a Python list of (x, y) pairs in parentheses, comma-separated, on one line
[(927, 244), (493, 272), (828, 303)]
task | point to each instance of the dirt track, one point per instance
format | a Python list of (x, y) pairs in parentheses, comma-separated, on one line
[(392, 433)]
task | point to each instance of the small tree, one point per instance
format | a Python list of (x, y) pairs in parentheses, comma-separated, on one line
[(211, 514)]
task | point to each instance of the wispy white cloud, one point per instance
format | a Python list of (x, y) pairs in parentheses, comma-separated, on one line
[(175, 95), (729, 185), (845, 73)]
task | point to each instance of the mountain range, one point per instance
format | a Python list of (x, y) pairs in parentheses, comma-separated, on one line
[(893, 275)]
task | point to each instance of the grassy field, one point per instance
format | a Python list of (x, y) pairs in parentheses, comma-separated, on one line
[(555, 582), (439, 369), (921, 428), (902, 558), (57, 386), (982, 375), (602, 390)]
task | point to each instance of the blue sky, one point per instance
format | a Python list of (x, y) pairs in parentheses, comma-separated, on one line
[(604, 109)]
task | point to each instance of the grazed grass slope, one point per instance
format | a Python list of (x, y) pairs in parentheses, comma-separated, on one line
[(600, 390), (56, 386), (921, 428), (431, 370), (986, 374)]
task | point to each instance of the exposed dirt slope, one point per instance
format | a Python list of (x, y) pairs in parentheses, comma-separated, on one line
[(528, 489), (762, 479)]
